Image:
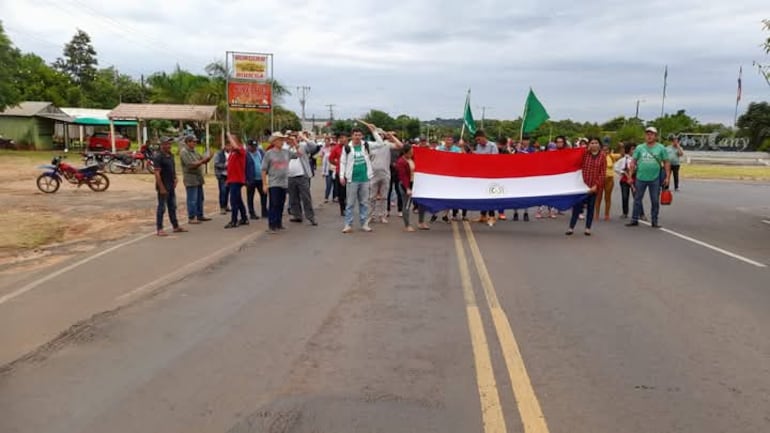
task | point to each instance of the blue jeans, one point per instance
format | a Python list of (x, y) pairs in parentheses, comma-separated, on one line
[(223, 192), (357, 192), (577, 209), (236, 202), (166, 201), (194, 201), (641, 187), (276, 204)]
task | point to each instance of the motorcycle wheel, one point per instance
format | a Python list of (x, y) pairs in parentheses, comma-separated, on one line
[(115, 167), (48, 184), (99, 182)]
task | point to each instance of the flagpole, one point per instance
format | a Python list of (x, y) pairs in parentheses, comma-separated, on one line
[(738, 98), (465, 108), (663, 102), (524, 117)]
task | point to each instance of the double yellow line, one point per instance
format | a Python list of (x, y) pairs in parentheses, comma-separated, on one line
[(491, 410)]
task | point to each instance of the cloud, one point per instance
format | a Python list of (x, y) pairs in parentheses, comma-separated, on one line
[(586, 61)]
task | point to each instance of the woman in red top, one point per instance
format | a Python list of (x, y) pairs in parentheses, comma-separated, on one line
[(594, 171), (405, 170), (236, 178)]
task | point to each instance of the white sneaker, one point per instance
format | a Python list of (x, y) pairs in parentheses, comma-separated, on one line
[(366, 228), (347, 229), (384, 220)]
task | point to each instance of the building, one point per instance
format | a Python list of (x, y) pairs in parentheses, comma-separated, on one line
[(32, 124)]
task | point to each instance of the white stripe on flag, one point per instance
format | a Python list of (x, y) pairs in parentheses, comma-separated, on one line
[(439, 186)]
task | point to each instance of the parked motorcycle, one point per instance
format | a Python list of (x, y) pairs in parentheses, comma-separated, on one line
[(100, 159), (50, 180), (132, 161)]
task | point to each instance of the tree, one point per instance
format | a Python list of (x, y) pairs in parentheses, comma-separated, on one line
[(614, 124), (9, 59), (755, 123), (408, 127), (39, 82), (178, 87), (110, 88), (79, 60), (766, 45), (381, 119), (675, 123)]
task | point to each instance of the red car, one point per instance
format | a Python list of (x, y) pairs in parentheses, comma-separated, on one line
[(102, 141)]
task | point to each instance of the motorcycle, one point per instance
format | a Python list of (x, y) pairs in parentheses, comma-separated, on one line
[(50, 180), (133, 161), (100, 159)]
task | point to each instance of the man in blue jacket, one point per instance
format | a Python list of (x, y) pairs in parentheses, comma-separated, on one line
[(254, 179)]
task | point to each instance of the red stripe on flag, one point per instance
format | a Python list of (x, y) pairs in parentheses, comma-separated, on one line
[(497, 166)]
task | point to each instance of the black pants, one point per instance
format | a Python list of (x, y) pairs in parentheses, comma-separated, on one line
[(299, 198), (394, 187), (277, 203), (675, 173), (166, 201), (625, 196), (342, 193), (250, 190), (456, 211), (236, 202)]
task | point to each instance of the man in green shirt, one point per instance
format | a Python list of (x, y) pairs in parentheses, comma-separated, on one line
[(356, 171), (650, 157), (192, 169)]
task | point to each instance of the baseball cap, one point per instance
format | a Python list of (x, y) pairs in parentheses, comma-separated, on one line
[(252, 142), (190, 137), (652, 129), (167, 140)]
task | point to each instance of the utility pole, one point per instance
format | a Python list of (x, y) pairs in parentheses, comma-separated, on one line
[(302, 91), (637, 107), (483, 114), (331, 111)]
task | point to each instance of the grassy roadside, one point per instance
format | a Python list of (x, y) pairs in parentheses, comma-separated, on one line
[(727, 172), (28, 233)]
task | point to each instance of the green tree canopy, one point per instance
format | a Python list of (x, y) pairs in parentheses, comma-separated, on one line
[(79, 61), (9, 65), (755, 123)]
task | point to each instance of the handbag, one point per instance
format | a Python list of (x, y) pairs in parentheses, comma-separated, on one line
[(666, 197)]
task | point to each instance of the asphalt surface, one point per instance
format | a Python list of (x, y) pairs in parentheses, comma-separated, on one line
[(629, 330)]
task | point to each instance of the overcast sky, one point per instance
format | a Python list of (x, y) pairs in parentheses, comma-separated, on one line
[(586, 61)]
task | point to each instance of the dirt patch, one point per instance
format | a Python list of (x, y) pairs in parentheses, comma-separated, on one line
[(40, 229)]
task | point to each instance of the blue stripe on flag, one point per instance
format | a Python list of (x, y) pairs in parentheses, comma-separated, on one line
[(561, 202)]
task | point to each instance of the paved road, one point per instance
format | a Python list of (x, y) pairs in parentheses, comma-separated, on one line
[(460, 329)]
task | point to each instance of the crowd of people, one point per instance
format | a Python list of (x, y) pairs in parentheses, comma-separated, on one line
[(371, 179)]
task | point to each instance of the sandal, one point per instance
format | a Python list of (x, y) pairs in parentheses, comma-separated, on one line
[(180, 230)]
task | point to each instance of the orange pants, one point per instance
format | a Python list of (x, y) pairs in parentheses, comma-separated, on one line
[(609, 183)]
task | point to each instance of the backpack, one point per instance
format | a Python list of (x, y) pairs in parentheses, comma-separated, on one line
[(366, 148)]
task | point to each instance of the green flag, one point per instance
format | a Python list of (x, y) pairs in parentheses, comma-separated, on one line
[(468, 122), (534, 113)]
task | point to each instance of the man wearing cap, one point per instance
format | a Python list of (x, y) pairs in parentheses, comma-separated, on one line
[(300, 173), (485, 147), (192, 177), (254, 182), (275, 176), (165, 185), (650, 157)]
